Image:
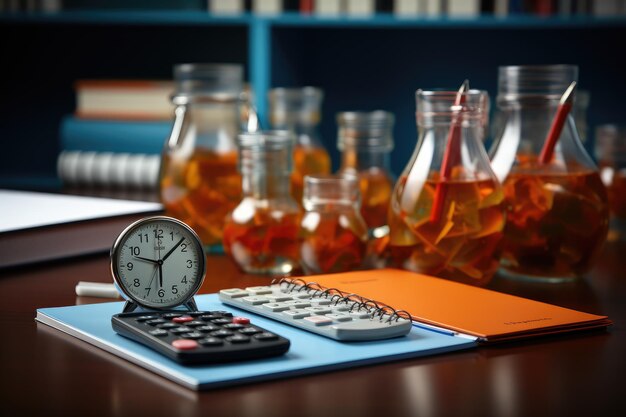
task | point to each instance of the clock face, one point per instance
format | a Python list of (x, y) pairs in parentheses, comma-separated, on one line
[(158, 262)]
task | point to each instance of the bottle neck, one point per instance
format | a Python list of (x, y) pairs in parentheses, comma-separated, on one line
[(359, 159), (262, 185)]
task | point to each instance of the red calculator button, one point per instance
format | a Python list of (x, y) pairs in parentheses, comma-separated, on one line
[(241, 320), (182, 319), (185, 344)]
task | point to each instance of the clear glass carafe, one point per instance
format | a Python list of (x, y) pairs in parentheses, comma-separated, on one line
[(447, 214), (199, 182), (333, 233), (261, 233), (298, 110), (557, 213)]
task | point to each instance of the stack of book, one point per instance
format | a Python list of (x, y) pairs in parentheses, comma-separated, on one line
[(115, 137)]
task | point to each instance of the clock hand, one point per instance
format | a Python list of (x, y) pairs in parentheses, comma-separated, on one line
[(154, 261), (173, 249), (152, 279), (160, 274)]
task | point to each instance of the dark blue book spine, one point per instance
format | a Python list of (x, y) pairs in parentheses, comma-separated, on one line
[(113, 136)]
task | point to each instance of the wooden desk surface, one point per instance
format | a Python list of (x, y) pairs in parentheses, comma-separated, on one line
[(45, 372)]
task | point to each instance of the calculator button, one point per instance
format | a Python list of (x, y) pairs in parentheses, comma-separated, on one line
[(185, 344), (241, 320), (265, 336), (167, 326), (318, 320), (234, 326), (276, 298), (234, 293), (211, 341), (223, 313), (221, 321), (276, 307), (301, 296), (144, 318), (158, 333), (221, 333), (319, 310), (259, 290), (181, 329), (182, 319), (359, 314), (298, 303), (255, 301), (249, 331), (195, 323), (320, 301), (171, 315), (340, 309), (207, 328), (238, 338), (195, 313), (297, 314), (193, 335), (209, 317), (155, 322), (339, 317)]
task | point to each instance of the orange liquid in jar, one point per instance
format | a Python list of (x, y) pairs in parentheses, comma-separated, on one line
[(376, 188), (332, 242), (262, 240), (615, 182), (201, 191), (556, 222), (307, 160), (464, 245)]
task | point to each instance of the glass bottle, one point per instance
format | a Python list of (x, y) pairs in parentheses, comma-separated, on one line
[(261, 233), (610, 149), (365, 140), (446, 218), (557, 214), (333, 233), (199, 182), (298, 110)]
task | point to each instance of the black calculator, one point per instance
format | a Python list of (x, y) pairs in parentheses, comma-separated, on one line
[(200, 337)]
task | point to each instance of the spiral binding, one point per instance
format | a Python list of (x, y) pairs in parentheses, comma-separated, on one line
[(337, 297)]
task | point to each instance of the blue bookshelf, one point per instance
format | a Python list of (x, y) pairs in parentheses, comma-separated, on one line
[(362, 63)]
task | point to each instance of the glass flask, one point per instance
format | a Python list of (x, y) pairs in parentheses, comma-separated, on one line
[(199, 182), (261, 233), (557, 212), (447, 214), (333, 233), (610, 149), (365, 140), (298, 110)]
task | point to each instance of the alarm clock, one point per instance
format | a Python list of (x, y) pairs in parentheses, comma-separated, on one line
[(158, 263)]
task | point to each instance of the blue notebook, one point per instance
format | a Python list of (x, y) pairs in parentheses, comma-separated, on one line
[(309, 353)]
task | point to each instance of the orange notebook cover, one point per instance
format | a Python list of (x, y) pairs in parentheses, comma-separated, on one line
[(489, 315)]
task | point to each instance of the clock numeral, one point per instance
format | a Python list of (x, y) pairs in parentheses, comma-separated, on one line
[(148, 291), (136, 283), (174, 289), (135, 251), (158, 233), (184, 281), (172, 236), (189, 263), (161, 293), (142, 237), (183, 247), (130, 266)]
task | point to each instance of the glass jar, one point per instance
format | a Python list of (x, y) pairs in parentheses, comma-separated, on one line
[(557, 213), (610, 149), (298, 110), (333, 233), (447, 214), (261, 233), (365, 141), (199, 182)]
